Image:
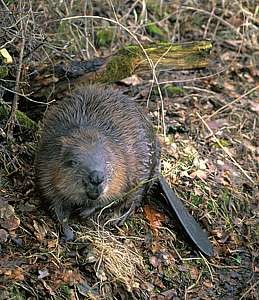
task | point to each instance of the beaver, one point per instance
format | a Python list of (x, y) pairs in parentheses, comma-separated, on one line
[(97, 150)]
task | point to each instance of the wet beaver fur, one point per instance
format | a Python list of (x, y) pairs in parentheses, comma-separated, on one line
[(98, 148)]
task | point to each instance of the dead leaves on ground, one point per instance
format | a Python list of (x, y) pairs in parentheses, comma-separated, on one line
[(155, 218), (9, 222)]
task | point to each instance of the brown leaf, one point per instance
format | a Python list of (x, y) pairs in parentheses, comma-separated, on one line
[(231, 89), (158, 282), (235, 20), (71, 277), (229, 86), (256, 269), (154, 218), (52, 244), (132, 80), (40, 231), (8, 220), (11, 223), (199, 174), (169, 294), (15, 274), (207, 283), (197, 192), (6, 210), (194, 273), (217, 124), (255, 105)]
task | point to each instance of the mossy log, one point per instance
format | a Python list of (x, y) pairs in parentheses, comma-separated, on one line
[(127, 61), (164, 56), (21, 118)]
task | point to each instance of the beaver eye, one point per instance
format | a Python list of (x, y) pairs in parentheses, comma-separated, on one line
[(72, 163)]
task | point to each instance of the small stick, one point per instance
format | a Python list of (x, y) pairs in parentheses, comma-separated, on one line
[(234, 101), (11, 121)]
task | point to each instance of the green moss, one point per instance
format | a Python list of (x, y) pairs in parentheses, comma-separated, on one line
[(237, 259), (196, 200), (223, 142), (131, 51), (154, 30), (4, 111), (118, 68), (173, 90), (169, 90), (65, 291), (225, 197), (131, 58), (104, 37), (3, 71), (26, 121), (121, 65), (22, 119), (210, 205)]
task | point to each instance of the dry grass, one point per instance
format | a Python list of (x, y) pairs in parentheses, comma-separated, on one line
[(211, 156), (116, 258)]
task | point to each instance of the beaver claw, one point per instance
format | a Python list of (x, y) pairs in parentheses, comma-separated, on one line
[(67, 234)]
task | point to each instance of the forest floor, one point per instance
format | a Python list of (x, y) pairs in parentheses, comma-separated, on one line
[(209, 154)]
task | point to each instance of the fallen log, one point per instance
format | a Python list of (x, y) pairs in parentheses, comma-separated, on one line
[(52, 80)]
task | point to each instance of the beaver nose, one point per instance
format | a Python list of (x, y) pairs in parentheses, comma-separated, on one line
[(96, 177)]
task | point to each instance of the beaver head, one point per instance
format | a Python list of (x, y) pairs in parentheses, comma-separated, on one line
[(88, 169)]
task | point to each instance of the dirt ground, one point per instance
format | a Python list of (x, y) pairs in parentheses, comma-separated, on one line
[(209, 153)]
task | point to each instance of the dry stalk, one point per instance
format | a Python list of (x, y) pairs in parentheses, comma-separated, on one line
[(11, 120), (234, 101)]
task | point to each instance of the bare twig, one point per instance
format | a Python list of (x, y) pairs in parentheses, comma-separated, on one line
[(26, 97), (234, 101), (248, 291), (11, 120), (208, 23), (211, 14)]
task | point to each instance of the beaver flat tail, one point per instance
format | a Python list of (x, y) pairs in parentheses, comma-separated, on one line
[(189, 224)]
